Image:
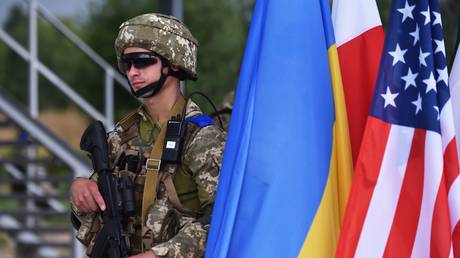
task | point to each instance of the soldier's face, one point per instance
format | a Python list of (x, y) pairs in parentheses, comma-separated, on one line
[(141, 69)]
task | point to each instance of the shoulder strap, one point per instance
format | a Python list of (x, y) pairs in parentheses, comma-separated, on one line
[(126, 122), (153, 166)]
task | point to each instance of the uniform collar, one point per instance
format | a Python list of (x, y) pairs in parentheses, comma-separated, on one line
[(149, 128)]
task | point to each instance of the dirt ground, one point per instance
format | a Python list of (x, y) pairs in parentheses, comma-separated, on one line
[(67, 124)]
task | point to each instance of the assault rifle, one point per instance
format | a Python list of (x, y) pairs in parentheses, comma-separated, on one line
[(111, 241)]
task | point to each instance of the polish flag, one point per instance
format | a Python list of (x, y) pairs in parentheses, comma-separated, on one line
[(359, 37)]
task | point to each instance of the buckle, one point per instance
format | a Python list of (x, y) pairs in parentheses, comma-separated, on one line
[(153, 165)]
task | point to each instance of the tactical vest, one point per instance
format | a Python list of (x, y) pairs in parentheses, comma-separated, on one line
[(182, 187), (131, 144)]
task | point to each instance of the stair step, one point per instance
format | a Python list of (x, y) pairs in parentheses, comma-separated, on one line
[(16, 144), (23, 212), (24, 196), (50, 244), (49, 229), (6, 123), (50, 179), (25, 161)]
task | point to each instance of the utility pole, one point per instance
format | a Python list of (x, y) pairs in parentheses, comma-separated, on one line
[(172, 7)]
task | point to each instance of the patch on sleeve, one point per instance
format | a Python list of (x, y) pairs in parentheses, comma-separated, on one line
[(201, 120)]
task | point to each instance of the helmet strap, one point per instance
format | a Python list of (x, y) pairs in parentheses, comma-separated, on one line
[(154, 87)]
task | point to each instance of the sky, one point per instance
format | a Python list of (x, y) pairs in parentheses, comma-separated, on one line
[(67, 8)]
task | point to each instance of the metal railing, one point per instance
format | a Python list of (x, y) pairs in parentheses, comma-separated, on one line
[(29, 122), (111, 75), (30, 180)]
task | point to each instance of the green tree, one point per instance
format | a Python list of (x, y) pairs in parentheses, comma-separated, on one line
[(221, 32), (54, 51), (217, 25), (99, 32), (14, 69), (450, 11), (220, 26)]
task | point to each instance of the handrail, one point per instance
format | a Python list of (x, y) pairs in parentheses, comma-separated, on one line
[(43, 135), (51, 76), (51, 18), (29, 122)]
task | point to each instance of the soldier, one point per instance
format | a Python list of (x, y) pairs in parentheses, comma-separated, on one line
[(225, 111), (156, 52)]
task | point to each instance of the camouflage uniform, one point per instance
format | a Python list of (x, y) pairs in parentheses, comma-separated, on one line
[(169, 230), (195, 180), (225, 111)]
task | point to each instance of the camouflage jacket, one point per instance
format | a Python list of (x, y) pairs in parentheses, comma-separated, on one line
[(167, 231)]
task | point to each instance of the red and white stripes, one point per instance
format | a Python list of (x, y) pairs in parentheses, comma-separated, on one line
[(407, 205)]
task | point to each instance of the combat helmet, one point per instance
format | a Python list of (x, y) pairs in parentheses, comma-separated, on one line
[(164, 35)]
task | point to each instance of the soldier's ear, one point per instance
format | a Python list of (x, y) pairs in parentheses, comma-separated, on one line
[(174, 68)]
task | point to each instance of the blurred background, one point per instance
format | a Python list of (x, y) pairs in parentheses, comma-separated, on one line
[(58, 73)]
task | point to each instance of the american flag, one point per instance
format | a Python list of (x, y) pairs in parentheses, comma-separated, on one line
[(405, 197)]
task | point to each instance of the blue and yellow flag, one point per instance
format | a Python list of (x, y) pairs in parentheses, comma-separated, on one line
[(287, 163)]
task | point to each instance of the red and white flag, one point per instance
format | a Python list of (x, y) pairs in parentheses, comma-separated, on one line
[(405, 195), (359, 38)]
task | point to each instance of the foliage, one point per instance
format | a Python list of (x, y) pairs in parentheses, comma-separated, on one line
[(14, 74), (220, 26), (221, 32), (216, 24), (450, 13)]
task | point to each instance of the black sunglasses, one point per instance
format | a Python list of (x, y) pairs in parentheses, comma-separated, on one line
[(140, 60)]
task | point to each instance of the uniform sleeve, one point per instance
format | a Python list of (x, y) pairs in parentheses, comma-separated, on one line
[(204, 159), (203, 156), (189, 242), (89, 223)]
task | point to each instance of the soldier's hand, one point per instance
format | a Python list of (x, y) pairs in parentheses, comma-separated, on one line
[(85, 195), (148, 254)]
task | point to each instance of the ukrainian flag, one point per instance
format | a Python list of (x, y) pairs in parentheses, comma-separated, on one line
[(287, 163)]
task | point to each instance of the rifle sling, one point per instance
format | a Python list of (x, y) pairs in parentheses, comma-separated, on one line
[(153, 166), (151, 179)]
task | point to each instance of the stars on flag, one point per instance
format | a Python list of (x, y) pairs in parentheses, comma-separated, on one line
[(418, 104), (415, 85), (409, 78), (430, 83), (398, 54), (440, 47), (415, 34), (427, 15), (389, 97), (436, 108), (422, 56), (443, 75), (437, 19), (407, 11)]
